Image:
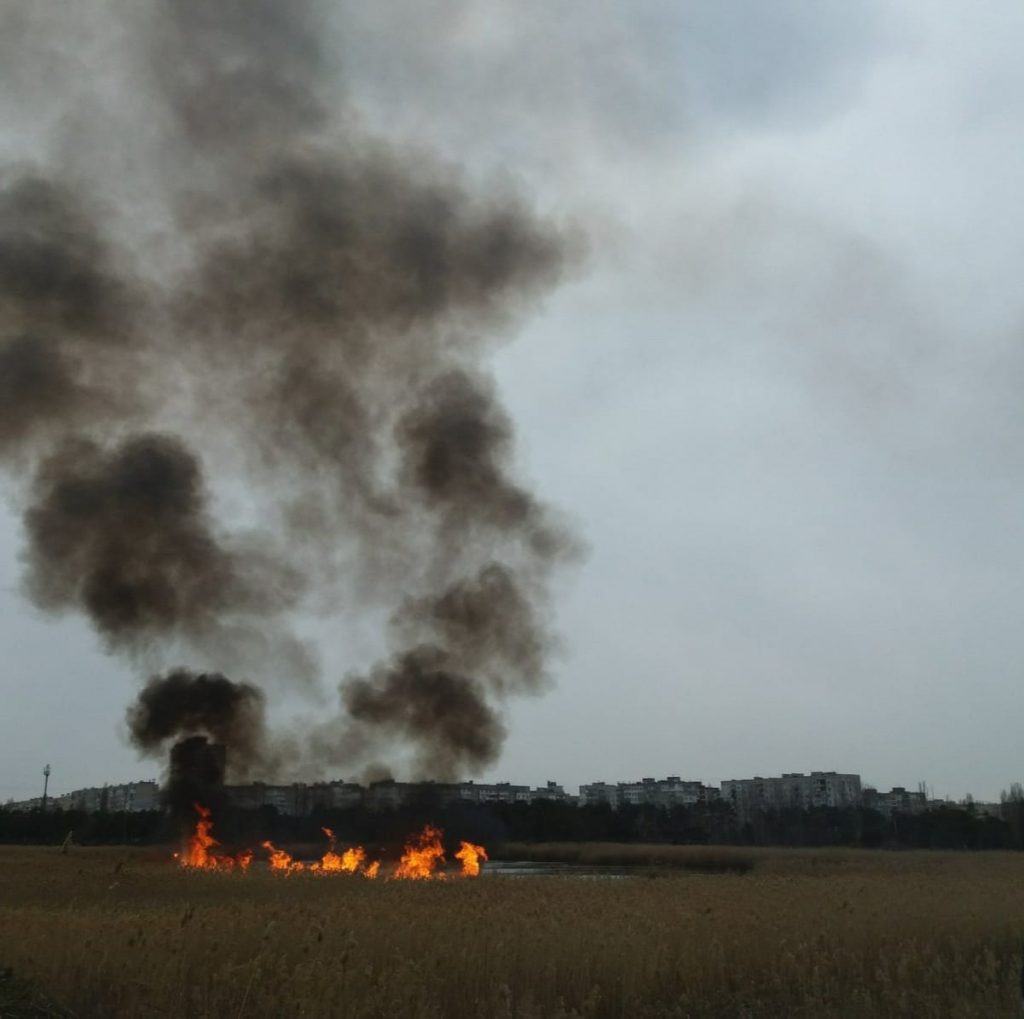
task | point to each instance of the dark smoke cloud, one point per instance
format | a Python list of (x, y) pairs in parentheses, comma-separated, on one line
[(65, 312), (38, 385), (54, 270), (184, 703), (314, 326), (205, 715), (124, 535), (196, 775), (350, 283), (343, 240), (445, 715), (455, 442), (466, 649), (491, 627)]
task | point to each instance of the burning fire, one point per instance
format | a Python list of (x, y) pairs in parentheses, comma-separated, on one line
[(200, 852), (280, 860), (349, 862), (423, 854), (422, 860), (471, 855)]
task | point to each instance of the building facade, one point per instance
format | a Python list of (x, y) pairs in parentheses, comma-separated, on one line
[(897, 801), (793, 790), (132, 797), (664, 792)]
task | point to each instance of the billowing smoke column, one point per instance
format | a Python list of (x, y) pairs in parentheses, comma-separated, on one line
[(308, 336), (195, 776), (199, 705)]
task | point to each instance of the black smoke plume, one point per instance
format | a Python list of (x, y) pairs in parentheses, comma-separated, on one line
[(419, 698), (65, 316), (204, 714), (55, 271), (195, 776), (292, 320), (183, 703), (490, 626), (124, 535)]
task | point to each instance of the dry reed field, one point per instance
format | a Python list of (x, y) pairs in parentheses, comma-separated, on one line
[(109, 933)]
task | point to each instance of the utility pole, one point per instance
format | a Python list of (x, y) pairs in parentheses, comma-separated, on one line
[(46, 783)]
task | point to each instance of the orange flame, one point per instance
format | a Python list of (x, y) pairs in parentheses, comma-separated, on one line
[(347, 862), (280, 860), (423, 854), (331, 861), (200, 852), (423, 859), (352, 859), (471, 855)]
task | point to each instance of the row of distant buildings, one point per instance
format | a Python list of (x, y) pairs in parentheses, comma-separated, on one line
[(747, 797), (132, 797), (302, 798), (750, 796)]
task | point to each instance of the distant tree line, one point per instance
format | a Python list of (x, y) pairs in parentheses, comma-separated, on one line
[(945, 827)]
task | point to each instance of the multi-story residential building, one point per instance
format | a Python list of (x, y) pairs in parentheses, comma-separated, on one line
[(599, 792), (829, 789), (90, 800), (897, 801), (550, 791), (345, 795), (818, 789), (296, 800), (497, 792), (666, 792), (132, 797), (387, 795)]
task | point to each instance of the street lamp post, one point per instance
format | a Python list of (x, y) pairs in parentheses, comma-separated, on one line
[(46, 783)]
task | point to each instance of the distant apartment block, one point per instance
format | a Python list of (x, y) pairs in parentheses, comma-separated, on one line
[(298, 798), (132, 797), (749, 796), (498, 792), (897, 801), (552, 791), (665, 792)]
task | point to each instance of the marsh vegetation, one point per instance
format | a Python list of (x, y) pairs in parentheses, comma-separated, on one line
[(115, 933)]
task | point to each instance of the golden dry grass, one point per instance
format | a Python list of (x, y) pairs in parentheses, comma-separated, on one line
[(806, 933), (705, 859)]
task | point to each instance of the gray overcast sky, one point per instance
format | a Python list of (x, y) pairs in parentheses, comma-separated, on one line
[(780, 400)]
